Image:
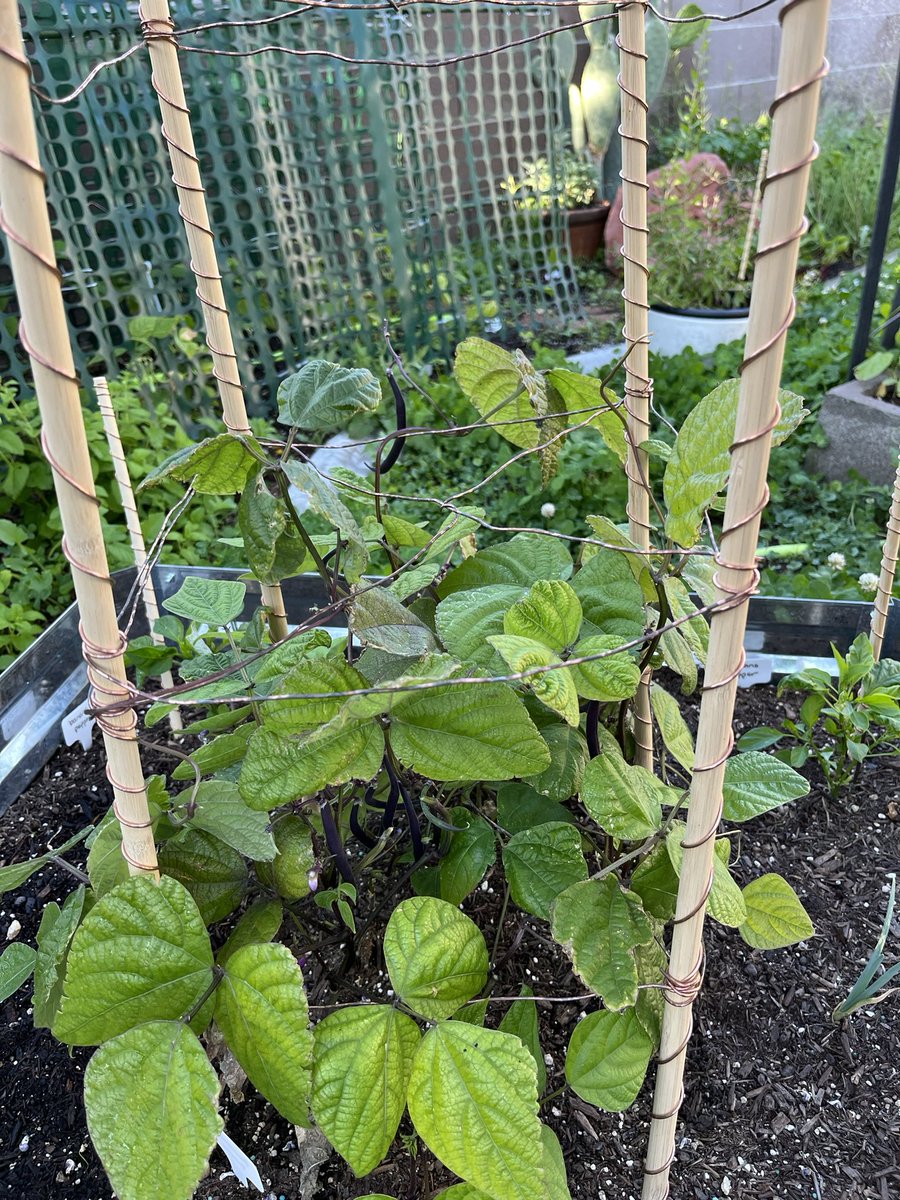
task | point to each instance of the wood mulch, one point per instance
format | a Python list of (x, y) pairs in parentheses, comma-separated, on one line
[(780, 1101)]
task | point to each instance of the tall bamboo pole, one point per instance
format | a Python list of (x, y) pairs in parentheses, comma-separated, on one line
[(638, 385), (782, 224), (44, 334), (889, 558), (133, 523), (157, 27)]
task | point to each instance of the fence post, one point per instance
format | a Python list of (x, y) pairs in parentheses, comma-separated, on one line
[(638, 385), (158, 27), (43, 331), (772, 307)]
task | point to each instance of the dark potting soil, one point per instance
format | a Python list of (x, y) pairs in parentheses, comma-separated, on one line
[(780, 1101)]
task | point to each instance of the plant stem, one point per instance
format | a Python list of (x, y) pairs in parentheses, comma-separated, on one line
[(500, 922), (80, 875), (217, 976), (284, 488)]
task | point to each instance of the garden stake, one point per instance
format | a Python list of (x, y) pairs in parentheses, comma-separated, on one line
[(133, 522), (888, 571), (638, 385), (754, 213), (801, 69), (43, 332), (157, 27)]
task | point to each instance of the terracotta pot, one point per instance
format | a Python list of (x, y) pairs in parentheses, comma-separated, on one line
[(586, 227)]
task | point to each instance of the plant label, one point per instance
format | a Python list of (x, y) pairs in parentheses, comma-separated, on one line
[(78, 726), (757, 669)]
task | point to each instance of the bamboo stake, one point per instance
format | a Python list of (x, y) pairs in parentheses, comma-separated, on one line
[(754, 211), (801, 69), (638, 385), (44, 334), (157, 27), (889, 558), (133, 522)]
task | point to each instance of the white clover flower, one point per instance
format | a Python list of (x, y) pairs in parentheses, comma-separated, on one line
[(548, 511), (868, 582), (836, 561)]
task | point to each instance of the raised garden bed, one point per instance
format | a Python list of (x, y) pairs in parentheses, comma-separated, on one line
[(781, 1102)]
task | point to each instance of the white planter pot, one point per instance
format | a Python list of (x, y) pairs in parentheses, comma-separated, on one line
[(672, 331)]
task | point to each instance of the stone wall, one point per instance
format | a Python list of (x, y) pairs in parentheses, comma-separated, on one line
[(742, 58)]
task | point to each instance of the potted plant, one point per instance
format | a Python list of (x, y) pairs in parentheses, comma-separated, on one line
[(569, 182), (700, 220)]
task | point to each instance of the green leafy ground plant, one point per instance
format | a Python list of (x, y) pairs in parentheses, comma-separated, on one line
[(353, 788), (842, 721)]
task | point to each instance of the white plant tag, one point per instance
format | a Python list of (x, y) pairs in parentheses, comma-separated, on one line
[(757, 669), (78, 726), (243, 1167)]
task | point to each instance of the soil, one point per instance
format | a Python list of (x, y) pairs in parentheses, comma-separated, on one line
[(780, 1101)]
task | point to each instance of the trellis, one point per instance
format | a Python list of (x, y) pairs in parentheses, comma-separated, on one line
[(349, 194), (43, 335)]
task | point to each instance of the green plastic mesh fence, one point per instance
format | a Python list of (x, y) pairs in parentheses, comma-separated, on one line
[(343, 195)]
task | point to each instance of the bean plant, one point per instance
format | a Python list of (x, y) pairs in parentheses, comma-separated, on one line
[(352, 787)]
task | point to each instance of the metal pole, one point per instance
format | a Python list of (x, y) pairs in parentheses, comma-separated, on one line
[(879, 232)]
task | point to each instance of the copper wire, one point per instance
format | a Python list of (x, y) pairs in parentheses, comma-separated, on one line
[(683, 992), (121, 723), (159, 29)]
